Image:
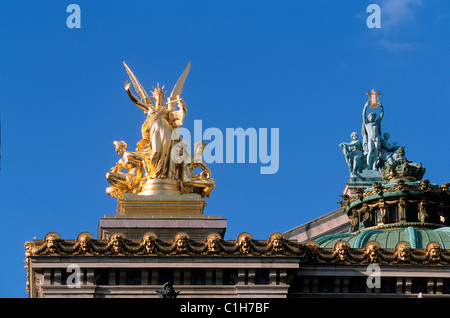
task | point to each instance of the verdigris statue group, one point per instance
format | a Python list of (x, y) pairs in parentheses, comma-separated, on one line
[(374, 151)]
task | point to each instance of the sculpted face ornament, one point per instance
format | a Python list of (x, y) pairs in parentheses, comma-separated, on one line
[(148, 242), (341, 249), (425, 185), (276, 240), (378, 187), (213, 243), (244, 242), (181, 242), (117, 242), (401, 186), (85, 241), (372, 251), (434, 252), (403, 251), (52, 242)]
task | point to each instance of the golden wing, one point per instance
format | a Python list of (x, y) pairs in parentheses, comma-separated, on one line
[(178, 88), (138, 87)]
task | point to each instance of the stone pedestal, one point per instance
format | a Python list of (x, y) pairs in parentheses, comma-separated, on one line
[(362, 180), (163, 214)]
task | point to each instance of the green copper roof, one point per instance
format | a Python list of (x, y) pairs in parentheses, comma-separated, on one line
[(387, 238)]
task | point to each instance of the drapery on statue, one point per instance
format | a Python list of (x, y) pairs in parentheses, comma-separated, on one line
[(153, 158), (387, 152), (125, 182), (353, 152), (156, 142), (371, 132)]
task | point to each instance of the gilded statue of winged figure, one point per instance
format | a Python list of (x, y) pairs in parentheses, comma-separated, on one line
[(156, 166), (162, 118), (158, 95)]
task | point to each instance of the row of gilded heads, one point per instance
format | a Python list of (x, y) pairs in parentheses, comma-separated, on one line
[(180, 241), (373, 250), (85, 236)]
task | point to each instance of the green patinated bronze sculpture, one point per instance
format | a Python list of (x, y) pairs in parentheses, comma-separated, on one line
[(374, 152)]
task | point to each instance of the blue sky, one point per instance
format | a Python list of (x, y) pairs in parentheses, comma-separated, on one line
[(302, 66)]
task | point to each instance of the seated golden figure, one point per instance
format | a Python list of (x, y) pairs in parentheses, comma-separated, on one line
[(122, 182)]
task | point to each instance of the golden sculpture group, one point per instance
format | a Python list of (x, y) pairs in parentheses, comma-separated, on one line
[(161, 160)]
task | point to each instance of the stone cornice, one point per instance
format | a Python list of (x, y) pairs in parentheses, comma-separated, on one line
[(244, 245)]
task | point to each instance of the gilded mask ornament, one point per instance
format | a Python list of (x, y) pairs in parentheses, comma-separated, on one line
[(148, 242), (372, 251), (213, 242), (403, 251), (116, 242), (85, 241), (276, 240), (181, 242), (51, 240), (341, 249), (434, 251), (244, 242)]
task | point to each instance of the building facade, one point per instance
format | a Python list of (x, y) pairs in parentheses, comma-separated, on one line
[(389, 238)]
